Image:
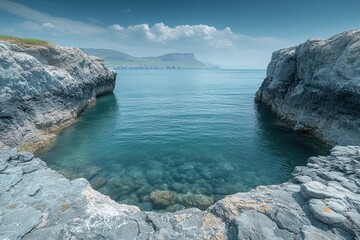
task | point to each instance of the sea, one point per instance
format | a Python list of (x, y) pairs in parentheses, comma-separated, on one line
[(167, 140)]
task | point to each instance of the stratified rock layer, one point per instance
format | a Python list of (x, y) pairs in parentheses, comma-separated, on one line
[(316, 86), (321, 201), (43, 89)]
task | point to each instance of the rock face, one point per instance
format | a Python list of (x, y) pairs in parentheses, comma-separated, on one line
[(43, 89), (316, 86), (321, 201)]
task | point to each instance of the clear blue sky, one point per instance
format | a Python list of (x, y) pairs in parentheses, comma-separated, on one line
[(230, 33)]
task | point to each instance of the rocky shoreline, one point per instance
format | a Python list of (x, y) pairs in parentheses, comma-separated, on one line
[(321, 201), (44, 88), (316, 87)]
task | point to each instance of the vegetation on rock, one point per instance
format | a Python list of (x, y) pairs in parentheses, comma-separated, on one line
[(24, 41)]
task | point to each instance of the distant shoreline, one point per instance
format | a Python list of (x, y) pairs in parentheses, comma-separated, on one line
[(244, 69)]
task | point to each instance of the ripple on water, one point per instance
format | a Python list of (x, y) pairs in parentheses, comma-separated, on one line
[(168, 140)]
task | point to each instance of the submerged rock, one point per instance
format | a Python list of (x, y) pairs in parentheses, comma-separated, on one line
[(41, 203), (98, 182), (154, 176), (123, 185), (91, 172), (67, 173), (135, 173), (162, 198), (175, 207), (316, 87), (195, 200)]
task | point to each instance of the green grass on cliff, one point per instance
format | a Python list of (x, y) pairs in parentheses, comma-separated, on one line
[(24, 41)]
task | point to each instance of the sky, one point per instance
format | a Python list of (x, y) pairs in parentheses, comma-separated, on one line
[(230, 33)]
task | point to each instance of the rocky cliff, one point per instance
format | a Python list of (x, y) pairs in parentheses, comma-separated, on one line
[(44, 88), (316, 87), (321, 201)]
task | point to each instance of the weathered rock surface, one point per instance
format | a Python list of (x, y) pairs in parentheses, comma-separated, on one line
[(321, 201), (316, 87), (43, 89)]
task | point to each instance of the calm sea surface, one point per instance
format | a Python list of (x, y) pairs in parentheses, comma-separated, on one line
[(195, 133)]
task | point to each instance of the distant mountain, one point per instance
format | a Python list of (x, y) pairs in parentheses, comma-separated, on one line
[(183, 60), (116, 59)]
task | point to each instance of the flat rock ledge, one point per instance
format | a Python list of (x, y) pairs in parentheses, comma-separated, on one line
[(321, 201)]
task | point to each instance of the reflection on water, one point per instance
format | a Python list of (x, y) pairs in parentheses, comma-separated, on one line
[(167, 140), (272, 132)]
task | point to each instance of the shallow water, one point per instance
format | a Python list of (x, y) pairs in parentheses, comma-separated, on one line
[(196, 135)]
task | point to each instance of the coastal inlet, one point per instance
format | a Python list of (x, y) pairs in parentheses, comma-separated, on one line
[(173, 139)]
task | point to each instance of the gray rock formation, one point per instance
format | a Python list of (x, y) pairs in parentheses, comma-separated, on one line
[(43, 89), (321, 201), (316, 87)]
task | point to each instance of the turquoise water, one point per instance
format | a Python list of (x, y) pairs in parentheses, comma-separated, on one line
[(195, 135)]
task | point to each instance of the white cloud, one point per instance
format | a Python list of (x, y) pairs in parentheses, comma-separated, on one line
[(164, 34), (29, 25), (186, 34), (221, 46), (64, 25), (94, 20), (116, 27), (32, 26), (48, 25), (263, 40)]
